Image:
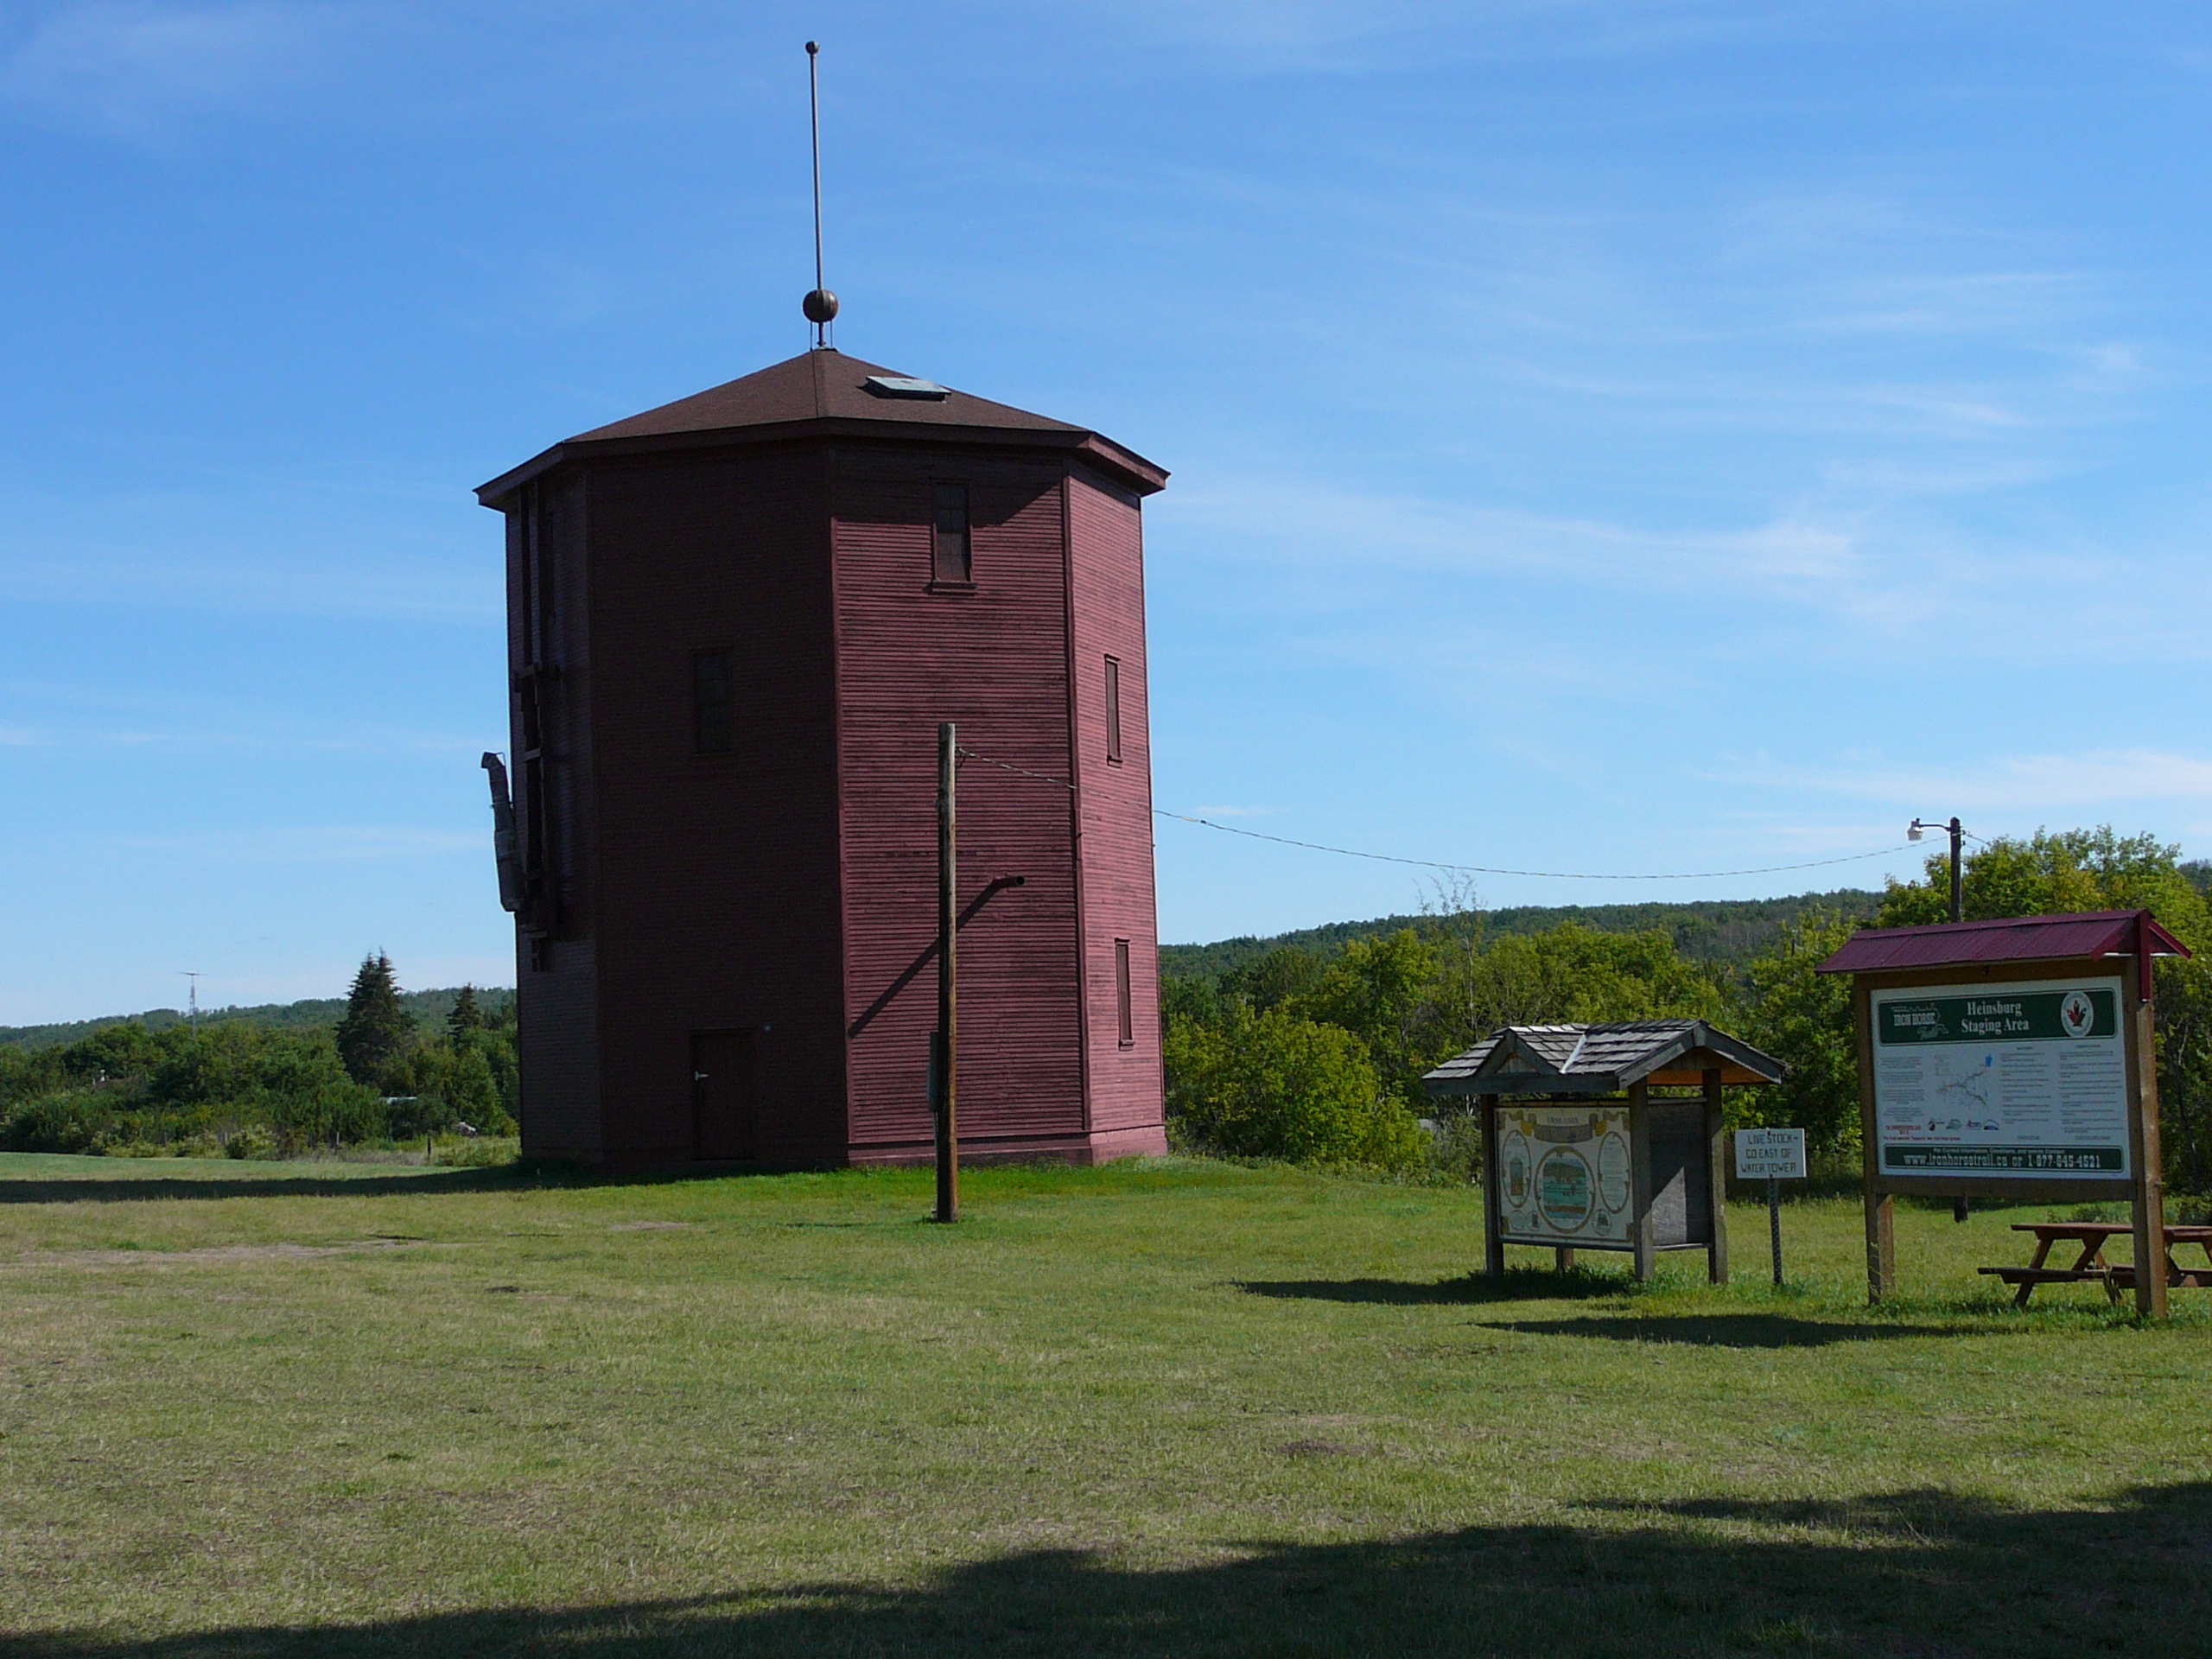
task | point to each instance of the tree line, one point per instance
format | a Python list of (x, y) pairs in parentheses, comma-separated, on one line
[(246, 1089), (1315, 1055)]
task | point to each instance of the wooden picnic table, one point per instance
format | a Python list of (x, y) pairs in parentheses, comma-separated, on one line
[(2090, 1267)]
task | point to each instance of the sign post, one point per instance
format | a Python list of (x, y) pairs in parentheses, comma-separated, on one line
[(1777, 1155)]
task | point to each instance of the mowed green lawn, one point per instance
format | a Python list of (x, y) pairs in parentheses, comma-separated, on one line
[(1167, 1408)]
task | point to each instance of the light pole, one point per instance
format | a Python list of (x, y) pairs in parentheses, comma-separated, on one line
[(1914, 831)]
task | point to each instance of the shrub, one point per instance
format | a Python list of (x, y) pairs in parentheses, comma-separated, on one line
[(1455, 1150), (1275, 1085), (66, 1120), (250, 1140)]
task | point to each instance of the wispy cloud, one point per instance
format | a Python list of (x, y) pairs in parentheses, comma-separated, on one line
[(307, 844), (1345, 37), (2017, 788), (198, 720), (252, 581), (1898, 582), (130, 69)]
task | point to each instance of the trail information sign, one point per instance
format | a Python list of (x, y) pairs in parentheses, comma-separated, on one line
[(2013, 1057), (2019, 1079), (1564, 1174)]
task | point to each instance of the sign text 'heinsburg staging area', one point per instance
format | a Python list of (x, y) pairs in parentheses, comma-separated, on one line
[(2002, 1078)]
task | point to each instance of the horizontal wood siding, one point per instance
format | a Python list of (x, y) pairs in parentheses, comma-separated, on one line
[(557, 1003), (566, 700), (994, 662), (557, 1047), (1108, 582), (719, 903)]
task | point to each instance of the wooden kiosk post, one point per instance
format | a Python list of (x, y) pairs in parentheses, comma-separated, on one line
[(1493, 1233), (1604, 1137), (1716, 1136), (2011, 1059)]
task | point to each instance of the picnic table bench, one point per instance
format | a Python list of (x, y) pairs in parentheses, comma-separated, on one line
[(2090, 1267)]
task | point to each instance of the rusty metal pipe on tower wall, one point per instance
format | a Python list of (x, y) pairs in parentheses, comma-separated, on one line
[(503, 834)]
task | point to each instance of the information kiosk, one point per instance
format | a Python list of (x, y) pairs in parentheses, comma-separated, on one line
[(1592, 1142), (2011, 1059)]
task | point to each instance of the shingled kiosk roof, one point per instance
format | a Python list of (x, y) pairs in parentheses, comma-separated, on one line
[(1601, 1059), (827, 394)]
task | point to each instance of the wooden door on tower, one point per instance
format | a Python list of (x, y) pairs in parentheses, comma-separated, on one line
[(723, 1105)]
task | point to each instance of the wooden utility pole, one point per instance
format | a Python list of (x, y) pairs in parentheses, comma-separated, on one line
[(2141, 1032), (946, 1070)]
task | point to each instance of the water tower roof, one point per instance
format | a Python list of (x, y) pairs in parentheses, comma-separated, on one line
[(825, 393)]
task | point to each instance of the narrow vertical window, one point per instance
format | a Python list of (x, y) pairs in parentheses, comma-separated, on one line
[(1122, 991), (710, 702), (952, 561), (1114, 711)]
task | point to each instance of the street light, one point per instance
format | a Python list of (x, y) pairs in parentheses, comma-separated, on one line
[(1915, 830)]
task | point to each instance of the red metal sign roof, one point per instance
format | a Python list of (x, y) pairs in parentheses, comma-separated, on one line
[(2016, 938)]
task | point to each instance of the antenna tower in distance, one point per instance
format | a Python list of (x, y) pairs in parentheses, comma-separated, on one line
[(820, 305)]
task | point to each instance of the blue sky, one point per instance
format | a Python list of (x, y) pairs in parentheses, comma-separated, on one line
[(1610, 438)]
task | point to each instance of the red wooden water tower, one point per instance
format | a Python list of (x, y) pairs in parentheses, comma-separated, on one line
[(733, 625)]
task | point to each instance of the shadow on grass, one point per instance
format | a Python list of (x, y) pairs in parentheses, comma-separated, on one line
[(1518, 1284), (523, 1175), (98, 1189), (1733, 1330), (1919, 1573)]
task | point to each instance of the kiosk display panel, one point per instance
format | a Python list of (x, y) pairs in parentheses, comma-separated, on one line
[(1564, 1174)]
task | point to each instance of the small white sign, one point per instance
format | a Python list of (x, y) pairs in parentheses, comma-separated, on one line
[(1770, 1155)]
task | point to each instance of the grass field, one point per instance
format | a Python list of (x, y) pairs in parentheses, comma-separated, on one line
[(1168, 1409)]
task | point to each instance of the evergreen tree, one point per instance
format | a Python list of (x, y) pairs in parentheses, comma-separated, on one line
[(376, 1033), (465, 1019)]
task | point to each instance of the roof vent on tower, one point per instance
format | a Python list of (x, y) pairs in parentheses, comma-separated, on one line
[(902, 385)]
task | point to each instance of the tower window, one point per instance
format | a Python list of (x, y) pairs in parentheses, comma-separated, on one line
[(711, 720), (952, 563), (1114, 711), (1122, 991)]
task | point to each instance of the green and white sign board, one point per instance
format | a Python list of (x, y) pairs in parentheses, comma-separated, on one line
[(1998, 1080), (1564, 1174)]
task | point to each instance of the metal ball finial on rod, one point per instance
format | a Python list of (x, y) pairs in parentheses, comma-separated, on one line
[(820, 305)]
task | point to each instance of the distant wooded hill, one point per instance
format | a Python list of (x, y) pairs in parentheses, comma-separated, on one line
[(429, 1007), (1706, 930)]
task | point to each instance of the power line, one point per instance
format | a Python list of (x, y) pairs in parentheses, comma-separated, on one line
[(970, 755), (1553, 875), (1467, 869)]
